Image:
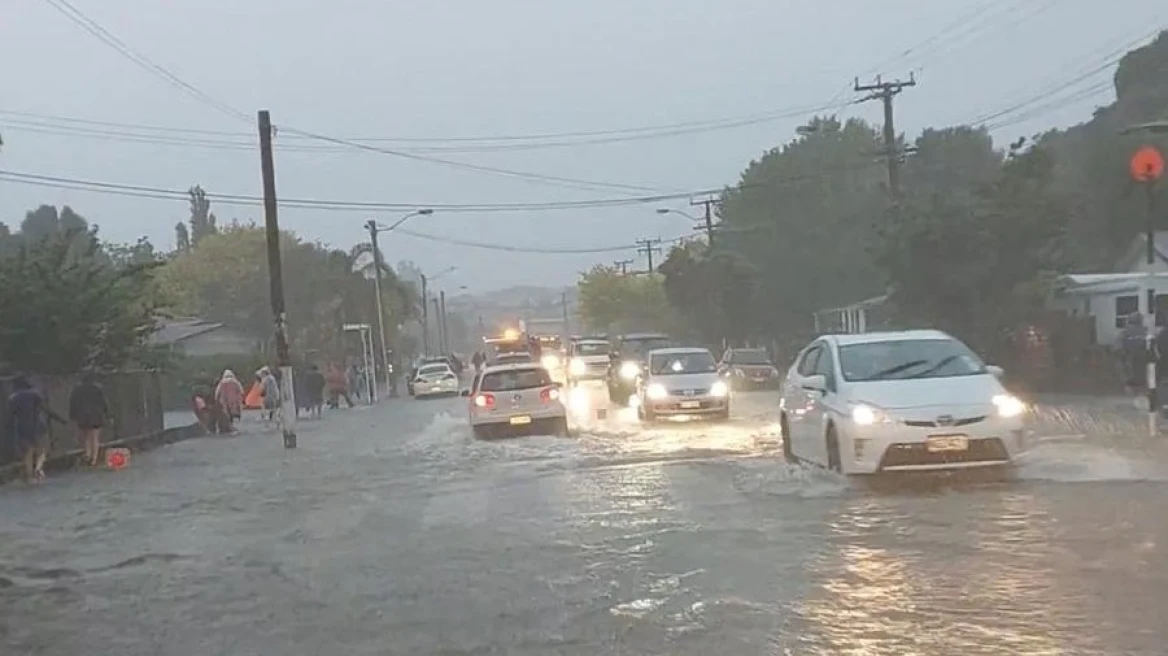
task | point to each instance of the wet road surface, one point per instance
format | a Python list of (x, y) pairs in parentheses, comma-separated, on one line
[(390, 531)]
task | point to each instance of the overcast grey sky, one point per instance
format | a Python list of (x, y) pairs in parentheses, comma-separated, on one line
[(455, 68)]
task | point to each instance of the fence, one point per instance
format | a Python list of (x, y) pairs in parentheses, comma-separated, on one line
[(135, 401)]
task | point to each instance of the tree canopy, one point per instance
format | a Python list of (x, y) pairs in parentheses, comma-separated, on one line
[(614, 302)]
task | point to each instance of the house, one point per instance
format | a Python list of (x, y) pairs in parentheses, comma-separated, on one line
[(856, 317), (199, 338), (1109, 298)]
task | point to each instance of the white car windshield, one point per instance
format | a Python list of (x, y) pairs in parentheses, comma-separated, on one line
[(433, 369), (666, 364), (519, 379), (908, 359), (639, 348), (589, 348)]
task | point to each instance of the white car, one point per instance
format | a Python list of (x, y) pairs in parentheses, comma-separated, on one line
[(898, 401), (435, 380), (682, 382), (512, 358), (588, 359), (515, 399)]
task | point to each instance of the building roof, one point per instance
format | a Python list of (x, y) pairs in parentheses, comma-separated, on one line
[(1137, 252), (174, 331), (1103, 283)]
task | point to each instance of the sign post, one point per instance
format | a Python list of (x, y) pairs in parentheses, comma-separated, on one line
[(1147, 167), (367, 360)]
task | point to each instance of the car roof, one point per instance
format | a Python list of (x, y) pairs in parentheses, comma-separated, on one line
[(592, 341), (679, 350), (514, 366), (433, 365), (632, 336), (888, 336), (743, 348)]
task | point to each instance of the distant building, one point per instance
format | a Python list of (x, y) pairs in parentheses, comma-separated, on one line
[(199, 338)]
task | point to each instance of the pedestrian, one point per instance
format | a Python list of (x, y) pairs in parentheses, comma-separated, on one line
[(477, 360), (314, 384), (28, 422), (89, 410), (271, 388), (229, 397), (338, 387)]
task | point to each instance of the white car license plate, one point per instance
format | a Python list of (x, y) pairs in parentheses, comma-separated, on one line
[(690, 405), (521, 420), (937, 443)]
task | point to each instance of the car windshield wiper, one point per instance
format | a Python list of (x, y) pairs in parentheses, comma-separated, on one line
[(885, 373), (933, 369)]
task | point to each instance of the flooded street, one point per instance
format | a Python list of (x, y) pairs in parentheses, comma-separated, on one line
[(390, 531)]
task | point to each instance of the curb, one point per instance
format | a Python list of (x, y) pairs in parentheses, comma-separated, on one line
[(66, 461)]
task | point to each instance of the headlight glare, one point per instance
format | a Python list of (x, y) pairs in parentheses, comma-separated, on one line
[(1008, 406), (719, 388), (577, 367), (656, 391), (866, 415), (629, 370)]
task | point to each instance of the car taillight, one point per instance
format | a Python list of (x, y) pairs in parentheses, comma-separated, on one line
[(549, 394), (485, 400)]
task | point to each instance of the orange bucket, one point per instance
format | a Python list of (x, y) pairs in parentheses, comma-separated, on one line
[(117, 458)]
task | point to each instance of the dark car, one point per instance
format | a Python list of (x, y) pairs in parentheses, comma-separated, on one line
[(748, 368), (626, 360)]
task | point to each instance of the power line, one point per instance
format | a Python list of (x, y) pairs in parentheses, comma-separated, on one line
[(648, 247), (512, 248), (885, 92), (105, 36)]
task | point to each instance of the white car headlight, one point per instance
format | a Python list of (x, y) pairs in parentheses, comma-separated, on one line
[(866, 415), (577, 367), (719, 388), (1008, 406), (629, 370), (656, 391), (549, 361)]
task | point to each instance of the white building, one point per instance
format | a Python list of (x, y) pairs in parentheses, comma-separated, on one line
[(1109, 298)]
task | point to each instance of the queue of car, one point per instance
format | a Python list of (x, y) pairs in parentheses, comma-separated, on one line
[(867, 403)]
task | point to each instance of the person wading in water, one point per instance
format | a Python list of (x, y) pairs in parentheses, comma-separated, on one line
[(28, 422), (89, 411)]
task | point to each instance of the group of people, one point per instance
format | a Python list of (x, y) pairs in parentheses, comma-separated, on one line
[(28, 416)]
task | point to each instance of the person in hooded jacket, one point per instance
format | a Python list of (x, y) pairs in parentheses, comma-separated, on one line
[(89, 410), (28, 426)]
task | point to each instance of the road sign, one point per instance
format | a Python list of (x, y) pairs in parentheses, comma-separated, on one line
[(1147, 164), (355, 326)]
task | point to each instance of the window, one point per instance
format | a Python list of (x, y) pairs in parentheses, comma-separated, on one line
[(824, 366), (810, 360), (696, 362), (1124, 306), (750, 356), (518, 379), (908, 358)]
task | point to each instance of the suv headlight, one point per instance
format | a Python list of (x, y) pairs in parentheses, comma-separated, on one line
[(577, 367), (719, 389), (550, 361), (629, 370), (1008, 406), (656, 391)]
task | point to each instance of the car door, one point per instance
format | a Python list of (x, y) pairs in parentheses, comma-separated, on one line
[(800, 403), (826, 404)]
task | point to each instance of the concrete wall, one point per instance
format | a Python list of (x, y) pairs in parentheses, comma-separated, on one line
[(135, 400)]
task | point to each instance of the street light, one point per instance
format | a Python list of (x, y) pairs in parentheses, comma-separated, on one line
[(374, 228), (702, 224)]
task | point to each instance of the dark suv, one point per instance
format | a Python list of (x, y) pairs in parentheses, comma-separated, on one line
[(626, 361)]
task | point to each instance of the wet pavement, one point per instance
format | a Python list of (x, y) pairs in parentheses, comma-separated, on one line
[(391, 531)]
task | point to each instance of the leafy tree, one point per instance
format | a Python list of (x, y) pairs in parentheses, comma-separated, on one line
[(64, 305), (203, 221), (804, 215), (712, 292), (614, 302)]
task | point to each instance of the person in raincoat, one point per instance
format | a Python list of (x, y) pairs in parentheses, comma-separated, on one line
[(229, 396), (28, 425), (271, 388)]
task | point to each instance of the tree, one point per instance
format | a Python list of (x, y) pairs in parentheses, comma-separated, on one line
[(203, 221), (961, 259), (65, 305), (712, 291), (804, 215), (613, 302)]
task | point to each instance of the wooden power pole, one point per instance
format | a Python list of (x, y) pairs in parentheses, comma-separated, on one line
[(885, 92)]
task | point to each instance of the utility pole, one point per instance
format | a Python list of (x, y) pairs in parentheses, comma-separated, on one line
[(624, 266), (276, 283), (885, 92), (390, 388), (442, 318), (441, 337), (425, 318), (708, 203), (564, 306), (648, 247)]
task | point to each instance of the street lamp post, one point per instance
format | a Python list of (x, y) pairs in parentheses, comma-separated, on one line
[(374, 228), (426, 306), (706, 224)]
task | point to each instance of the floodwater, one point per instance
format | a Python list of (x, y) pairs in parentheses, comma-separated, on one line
[(391, 531)]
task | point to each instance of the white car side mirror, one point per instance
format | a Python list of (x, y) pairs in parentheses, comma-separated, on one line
[(995, 370), (815, 383)]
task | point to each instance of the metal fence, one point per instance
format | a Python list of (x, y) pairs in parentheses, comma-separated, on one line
[(135, 401)]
